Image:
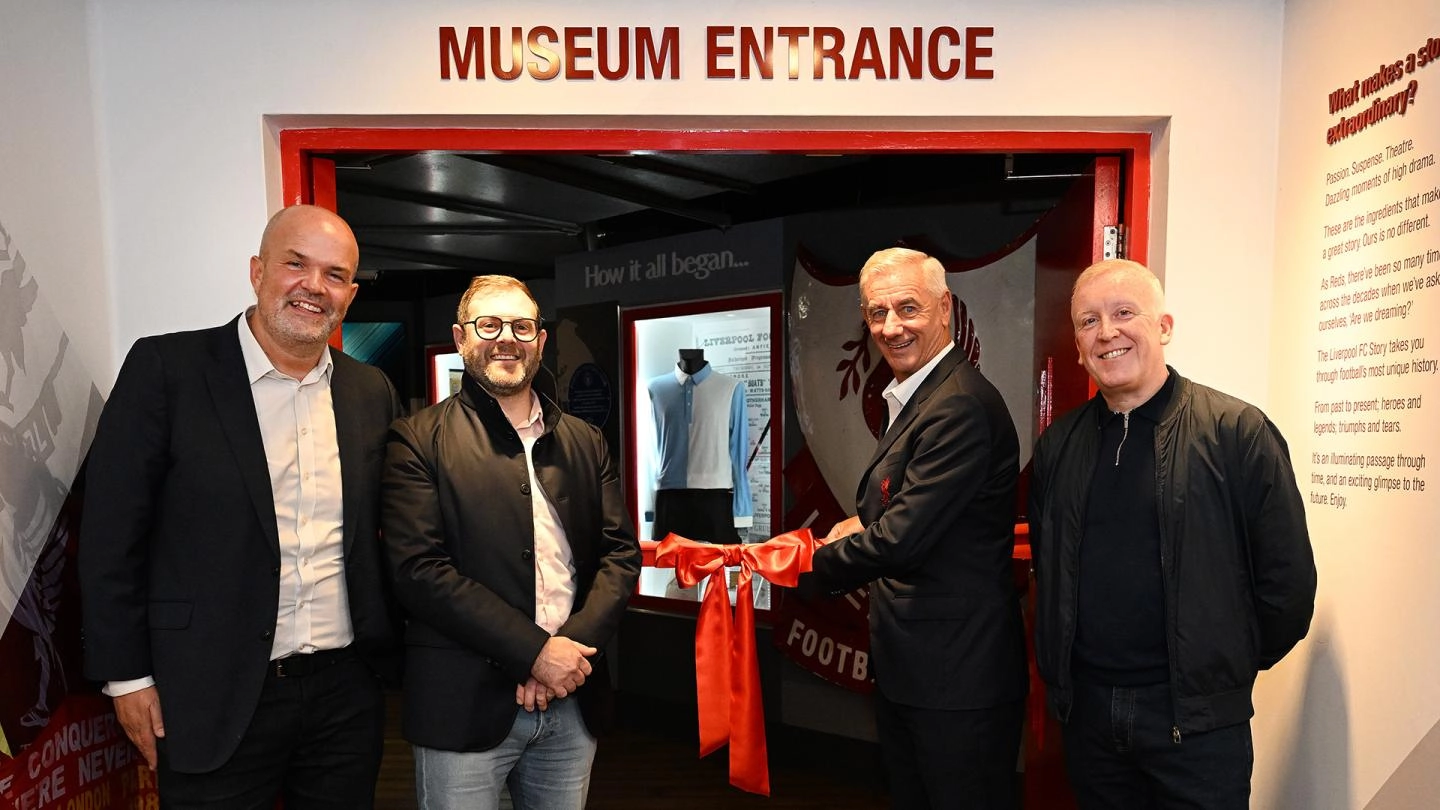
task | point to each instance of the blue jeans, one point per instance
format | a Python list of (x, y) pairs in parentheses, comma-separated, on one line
[(1120, 754), (545, 761)]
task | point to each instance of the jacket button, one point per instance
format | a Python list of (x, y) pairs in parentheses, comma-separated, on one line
[(525, 489), (275, 570), (267, 635), (526, 554)]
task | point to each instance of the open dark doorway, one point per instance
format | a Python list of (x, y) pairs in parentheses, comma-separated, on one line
[(433, 207)]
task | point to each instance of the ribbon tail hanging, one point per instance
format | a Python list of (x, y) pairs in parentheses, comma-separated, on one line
[(713, 643), (749, 757)]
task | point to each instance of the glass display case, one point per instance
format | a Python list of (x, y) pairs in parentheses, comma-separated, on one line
[(680, 355)]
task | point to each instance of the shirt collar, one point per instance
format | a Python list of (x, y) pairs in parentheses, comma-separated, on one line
[(902, 391), (535, 413), (697, 378), (257, 363)]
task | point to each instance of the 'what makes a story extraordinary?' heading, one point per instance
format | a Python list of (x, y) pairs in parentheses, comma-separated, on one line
[(1383, 87), (580, 53)]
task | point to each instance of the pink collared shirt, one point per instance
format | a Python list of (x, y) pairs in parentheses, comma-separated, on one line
[(554, 562)]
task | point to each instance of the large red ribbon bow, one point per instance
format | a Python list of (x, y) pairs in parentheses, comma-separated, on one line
[(727, 676)]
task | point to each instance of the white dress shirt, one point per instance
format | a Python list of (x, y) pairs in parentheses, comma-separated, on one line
[(297, 427), (898, 393)]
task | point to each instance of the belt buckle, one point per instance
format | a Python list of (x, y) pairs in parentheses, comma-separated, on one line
[(280, 668)]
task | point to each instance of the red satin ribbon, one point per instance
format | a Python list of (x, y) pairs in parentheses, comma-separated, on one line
[(727, 675)]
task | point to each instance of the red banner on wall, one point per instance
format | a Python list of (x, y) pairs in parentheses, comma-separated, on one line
[(829, 637), (81, 761)]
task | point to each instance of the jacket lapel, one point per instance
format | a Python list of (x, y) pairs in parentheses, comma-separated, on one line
[(938, 376), (343, 392), (235, 409)]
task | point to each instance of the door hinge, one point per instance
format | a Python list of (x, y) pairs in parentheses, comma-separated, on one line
[(1114, 241)]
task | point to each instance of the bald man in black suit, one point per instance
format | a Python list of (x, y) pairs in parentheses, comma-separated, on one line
[(234, 601)]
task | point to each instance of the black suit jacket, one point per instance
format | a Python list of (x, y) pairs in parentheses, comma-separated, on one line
[(459, 533), (938, 504), (179, 549)]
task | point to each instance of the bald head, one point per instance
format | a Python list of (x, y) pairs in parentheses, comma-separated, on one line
[(303, 218), (304, 281)]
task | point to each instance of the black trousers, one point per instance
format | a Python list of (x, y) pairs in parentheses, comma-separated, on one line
[(950, 760), (316, 739), (1120, 753)]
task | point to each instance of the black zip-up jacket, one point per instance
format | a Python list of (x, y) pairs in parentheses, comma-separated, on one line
[(1235, 555)]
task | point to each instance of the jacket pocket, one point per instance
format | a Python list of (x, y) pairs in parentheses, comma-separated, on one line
[(933, 608), (169, 615)]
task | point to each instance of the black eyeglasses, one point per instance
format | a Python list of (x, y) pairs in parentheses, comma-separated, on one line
[(489, 327)]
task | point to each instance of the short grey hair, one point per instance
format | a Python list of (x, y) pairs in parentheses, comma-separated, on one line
[(1126, 267), (890, 259)]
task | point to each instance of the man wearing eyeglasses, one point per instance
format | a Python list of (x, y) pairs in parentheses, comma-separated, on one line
[(506, 527)]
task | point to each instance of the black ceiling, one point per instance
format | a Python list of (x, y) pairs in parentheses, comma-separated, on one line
[(428, 221)]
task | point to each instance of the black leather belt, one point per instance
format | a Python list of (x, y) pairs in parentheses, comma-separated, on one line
[(302, 664)]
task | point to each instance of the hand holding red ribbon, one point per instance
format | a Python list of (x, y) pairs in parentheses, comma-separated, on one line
[(727, 676)]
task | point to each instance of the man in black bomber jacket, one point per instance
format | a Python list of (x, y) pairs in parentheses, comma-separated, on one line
[(1172, 561)]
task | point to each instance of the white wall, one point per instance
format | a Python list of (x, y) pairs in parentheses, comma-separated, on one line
[(55, 325), (50, 199), (185, 86), (1358, 695)]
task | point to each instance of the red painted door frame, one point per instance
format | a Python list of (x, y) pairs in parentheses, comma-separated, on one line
[(303, 180), (307, 178)]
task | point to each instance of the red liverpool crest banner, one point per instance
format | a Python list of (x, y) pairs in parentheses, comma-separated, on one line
[(60, 746)]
